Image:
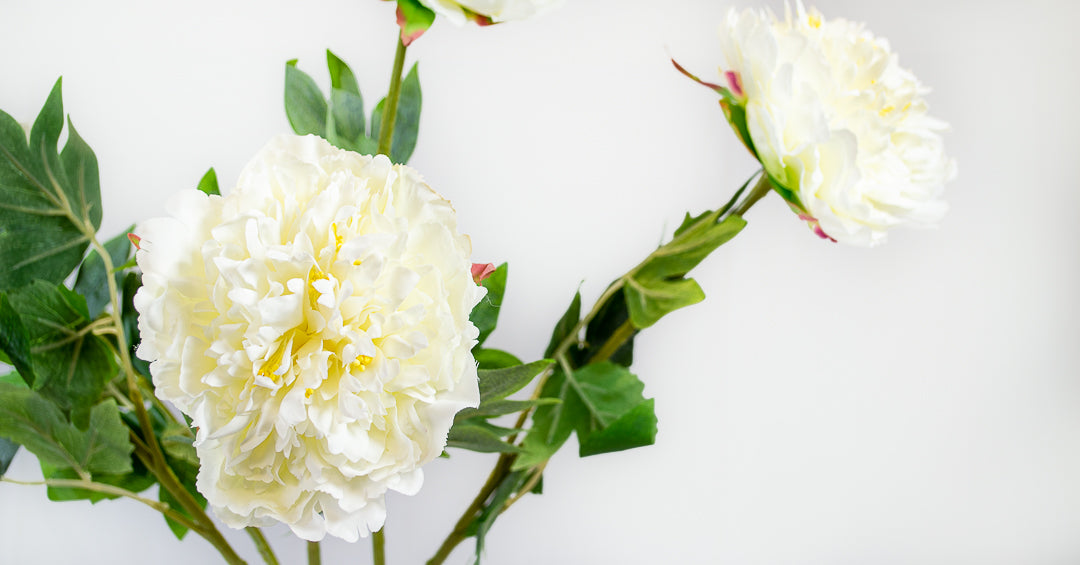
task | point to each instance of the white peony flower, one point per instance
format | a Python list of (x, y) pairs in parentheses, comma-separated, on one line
[(314, 324), (836, 121), (490, 11)]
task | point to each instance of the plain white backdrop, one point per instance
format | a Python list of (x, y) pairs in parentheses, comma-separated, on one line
[(917, 403)]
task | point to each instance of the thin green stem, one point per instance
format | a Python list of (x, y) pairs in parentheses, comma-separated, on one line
[(378, 546), (262, 545), (759, 191), (314, 553), (389, 114), (109, 490)]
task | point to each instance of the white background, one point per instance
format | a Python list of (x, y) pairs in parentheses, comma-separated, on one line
[(917, 403)]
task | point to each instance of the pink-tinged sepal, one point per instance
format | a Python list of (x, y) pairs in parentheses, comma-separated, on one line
[(735, 82), (414, 19), (478, 19), (135, 240), (816, 226), (481, 271), (727, 96)]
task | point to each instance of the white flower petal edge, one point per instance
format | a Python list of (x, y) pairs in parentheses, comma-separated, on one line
[(835, 119), (314, 324), (497, 10)]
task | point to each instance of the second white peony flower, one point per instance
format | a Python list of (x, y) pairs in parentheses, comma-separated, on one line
[(314, 325)]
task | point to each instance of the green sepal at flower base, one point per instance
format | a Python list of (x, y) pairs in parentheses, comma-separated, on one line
[(49, 200), (414, 19), (208, 184), (485, 315), (340, 118)]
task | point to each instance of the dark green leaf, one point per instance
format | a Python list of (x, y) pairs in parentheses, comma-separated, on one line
[(499, 383), (636, 428), (70, 364), (26, 417), (47, 200), (502, 407), (414, 19), (186, 472), (551, 424), (8, 449), (473, 436), (657, 287), (130, 319), (608, 324), (208, 183), (488, 359), (15, 341), (91, 282), (304, 102), (565, 325), (407, 124), (482, 525), (486, 314)]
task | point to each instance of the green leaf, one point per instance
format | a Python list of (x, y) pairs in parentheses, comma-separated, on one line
[(475, 436), (499, 383), (482, 524), (341, 76), (501, 408), (657, 287), (47, 200), (70, 364), (565, 325), (414, 19), (15, 341), (8, 449), (488, 359), (608, 321), (184, 463), (486, 314), (138, 480), (635, 428), (91, 282), (407, 124), (304, 102), (208, 183), (26, 417), (130, 319), (601, 402), (178, 444)]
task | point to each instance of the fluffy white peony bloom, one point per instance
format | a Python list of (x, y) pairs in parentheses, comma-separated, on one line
[(314, 324), (837, 122), (494, 11)]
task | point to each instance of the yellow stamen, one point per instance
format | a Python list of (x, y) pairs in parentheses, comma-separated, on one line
[(361, 363), (338, 239), (315, 274), (273, 363), (886, 111), (309, 392), (815, 22)]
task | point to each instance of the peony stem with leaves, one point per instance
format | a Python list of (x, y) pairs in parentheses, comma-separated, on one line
[(389, 114), (622, 334)]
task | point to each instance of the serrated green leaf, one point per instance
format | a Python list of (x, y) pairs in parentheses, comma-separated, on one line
[(407, 124), (414, 19), (27, 418), (486, 314), (47, 199), (499, 383), (565, 325), (208, 184), (657, 287), (304, 102), (70, 364), (8, 449), (488, 359), (474, 436), (91, 282), (594, 398)]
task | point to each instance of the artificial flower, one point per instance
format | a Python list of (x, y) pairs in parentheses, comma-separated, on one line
[(314, 325), (841, 129)]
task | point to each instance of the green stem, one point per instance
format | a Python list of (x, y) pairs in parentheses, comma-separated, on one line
[(378, 546), (314, 553), (622, 334), (389, 114), (262, 545)]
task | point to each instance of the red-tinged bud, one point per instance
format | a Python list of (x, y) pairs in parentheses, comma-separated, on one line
[(816, 226), (135, 240), (481, 271)]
